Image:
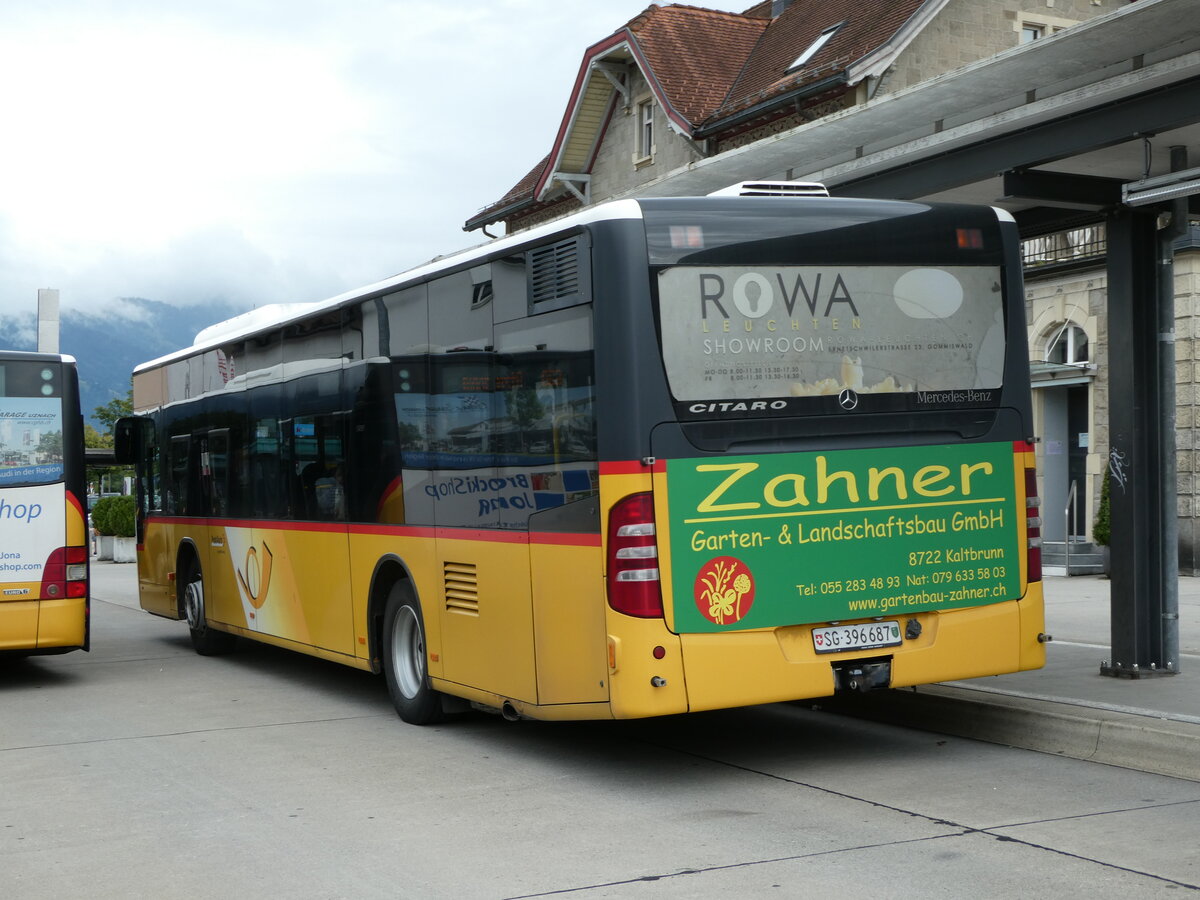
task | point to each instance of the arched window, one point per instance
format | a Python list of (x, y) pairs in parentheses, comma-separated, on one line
[(1068, 346)]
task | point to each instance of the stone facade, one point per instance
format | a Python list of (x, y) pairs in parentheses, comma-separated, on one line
[(970, 30), (618, 168), (1080, 298), (1187, 385)]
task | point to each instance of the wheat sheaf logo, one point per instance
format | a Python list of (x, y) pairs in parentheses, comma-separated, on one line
[(724, 590)]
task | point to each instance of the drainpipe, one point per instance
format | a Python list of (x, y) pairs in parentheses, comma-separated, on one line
[(1167, 462)]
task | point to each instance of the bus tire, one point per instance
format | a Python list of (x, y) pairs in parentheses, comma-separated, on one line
[(404, 659), (205, 640)]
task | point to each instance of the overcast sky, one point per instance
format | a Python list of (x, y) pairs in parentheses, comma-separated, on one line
[(266, 151)]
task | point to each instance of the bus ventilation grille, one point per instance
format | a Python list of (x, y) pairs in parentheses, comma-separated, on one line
[(554, 272), (773, 189), (462, 588)]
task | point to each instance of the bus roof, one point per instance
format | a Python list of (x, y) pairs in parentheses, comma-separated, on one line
[(31, 356), (276, 315)]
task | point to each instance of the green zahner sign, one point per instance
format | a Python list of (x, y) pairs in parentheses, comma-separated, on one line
[(790, 538)]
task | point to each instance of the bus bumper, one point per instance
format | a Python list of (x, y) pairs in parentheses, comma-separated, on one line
[(42, 625), (746, 668)]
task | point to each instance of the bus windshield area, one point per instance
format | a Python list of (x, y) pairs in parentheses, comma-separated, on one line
[(31, 423)]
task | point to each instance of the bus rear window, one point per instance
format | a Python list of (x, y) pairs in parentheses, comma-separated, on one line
[(770, 335), (31, 423)]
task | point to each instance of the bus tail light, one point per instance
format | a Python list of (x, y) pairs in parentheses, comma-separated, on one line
[(633, 582), (65, 574), (1033, 526)]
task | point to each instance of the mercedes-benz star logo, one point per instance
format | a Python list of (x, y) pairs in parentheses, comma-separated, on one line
[(847, 399)]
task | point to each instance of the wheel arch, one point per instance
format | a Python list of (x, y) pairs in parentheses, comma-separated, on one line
[(187, 554), (388, 570)]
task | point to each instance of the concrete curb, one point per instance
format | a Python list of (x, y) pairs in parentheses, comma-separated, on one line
[(1145, 743)]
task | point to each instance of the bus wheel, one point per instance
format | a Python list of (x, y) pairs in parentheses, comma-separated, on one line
[(404, 659), (206, 641)]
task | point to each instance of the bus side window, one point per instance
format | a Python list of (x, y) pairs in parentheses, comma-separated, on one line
[(318, 450), (217, 472), (150, 469), (177, 476)]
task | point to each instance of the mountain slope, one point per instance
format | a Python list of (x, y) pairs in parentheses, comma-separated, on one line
[(109, 344)]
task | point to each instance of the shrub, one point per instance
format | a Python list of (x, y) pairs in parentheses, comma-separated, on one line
[(102, 515), (121, 519), (1102, 527)]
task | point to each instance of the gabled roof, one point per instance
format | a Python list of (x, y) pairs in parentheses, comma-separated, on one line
[(708, 70)]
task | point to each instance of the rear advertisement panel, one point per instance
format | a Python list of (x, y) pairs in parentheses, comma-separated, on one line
[(32, 525), (782, 539), (755, 339)]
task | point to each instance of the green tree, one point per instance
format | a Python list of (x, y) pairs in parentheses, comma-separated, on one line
[(108, 414), (93, 438)]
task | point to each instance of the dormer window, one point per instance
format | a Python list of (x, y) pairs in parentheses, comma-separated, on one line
[(815, 47)]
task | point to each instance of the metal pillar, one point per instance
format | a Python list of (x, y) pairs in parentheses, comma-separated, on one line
[(1140, 494)]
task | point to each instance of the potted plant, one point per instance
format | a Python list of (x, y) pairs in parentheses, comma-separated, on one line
[(121, 520), (101, 524)]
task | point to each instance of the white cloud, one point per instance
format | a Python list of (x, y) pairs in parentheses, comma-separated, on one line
[(266, 151)]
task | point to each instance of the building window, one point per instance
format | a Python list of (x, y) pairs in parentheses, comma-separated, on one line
[(645, 139), (1068, 346), (1043, 26), (815, 47)]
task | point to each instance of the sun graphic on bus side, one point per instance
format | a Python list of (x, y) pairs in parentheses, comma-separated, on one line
[(724, 590)]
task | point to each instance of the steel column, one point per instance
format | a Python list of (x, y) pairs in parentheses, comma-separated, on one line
[(1136, 441)]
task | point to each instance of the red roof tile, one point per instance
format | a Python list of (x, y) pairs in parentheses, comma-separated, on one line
[(696, 54), (868, 24)]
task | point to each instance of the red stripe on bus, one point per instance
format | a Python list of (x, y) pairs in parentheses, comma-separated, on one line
[(631, 467), (272, 524), (74, 501), (480, 534), (415, 531), (418, 531), (1022, 447)]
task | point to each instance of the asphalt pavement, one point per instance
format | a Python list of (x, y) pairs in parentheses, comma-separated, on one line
[(1151, 724)]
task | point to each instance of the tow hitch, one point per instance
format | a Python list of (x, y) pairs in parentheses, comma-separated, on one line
[(862, 675)]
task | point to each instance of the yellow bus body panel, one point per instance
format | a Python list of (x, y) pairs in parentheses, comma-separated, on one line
[(62, 622), (486, 615), (43, 624), (19, 623), (568, 623)]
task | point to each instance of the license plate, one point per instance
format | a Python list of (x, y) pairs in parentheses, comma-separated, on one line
[(864, 636)]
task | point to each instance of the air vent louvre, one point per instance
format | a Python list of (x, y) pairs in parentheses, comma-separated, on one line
[(773, 189), (558, 275), (462, 587)]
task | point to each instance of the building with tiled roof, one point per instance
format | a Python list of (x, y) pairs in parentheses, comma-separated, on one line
[(677, 84)]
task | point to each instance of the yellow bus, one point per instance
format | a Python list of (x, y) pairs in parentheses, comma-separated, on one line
[(665, 455), (44, 600)]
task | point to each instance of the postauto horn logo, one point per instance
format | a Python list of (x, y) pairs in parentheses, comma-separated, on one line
[(724, 590)]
